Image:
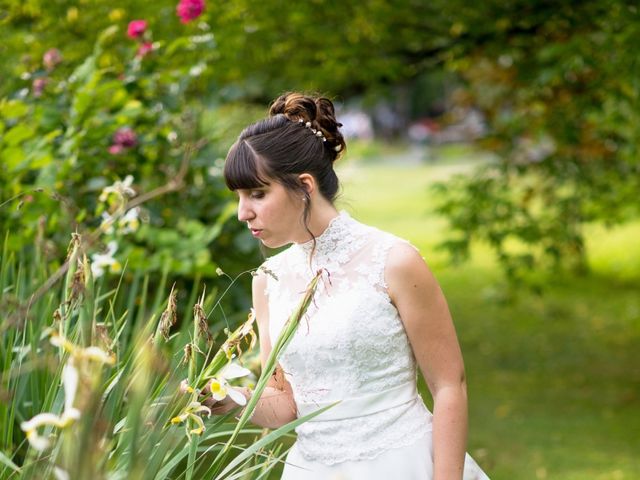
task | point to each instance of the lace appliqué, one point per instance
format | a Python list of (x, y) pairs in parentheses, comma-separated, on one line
[(351, 343)]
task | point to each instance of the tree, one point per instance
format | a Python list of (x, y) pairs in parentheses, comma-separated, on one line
[(558, 83)]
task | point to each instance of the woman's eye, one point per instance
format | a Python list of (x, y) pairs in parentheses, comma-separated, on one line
[(257, 194)]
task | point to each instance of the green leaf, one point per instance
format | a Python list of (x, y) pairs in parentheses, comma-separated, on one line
[(12, 157), (41, 161), (19, 134), (7, 461), (11, 109), (267, 439)]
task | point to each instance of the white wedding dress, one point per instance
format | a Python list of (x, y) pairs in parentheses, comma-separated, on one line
[(350, 347)]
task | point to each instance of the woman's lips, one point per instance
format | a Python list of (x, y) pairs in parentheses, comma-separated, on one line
[(255, 232)]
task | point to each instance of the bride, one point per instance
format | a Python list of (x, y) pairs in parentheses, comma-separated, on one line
[(377, 317)]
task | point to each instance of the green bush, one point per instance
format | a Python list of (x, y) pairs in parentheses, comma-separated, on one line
[(128, 111)]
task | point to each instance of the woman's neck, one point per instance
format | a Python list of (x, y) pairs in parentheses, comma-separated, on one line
[(319, 218)]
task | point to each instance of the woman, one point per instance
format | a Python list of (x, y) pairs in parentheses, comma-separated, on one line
[(378, 315)]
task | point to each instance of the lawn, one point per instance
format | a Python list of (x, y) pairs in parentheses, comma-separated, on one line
[(554, 380)]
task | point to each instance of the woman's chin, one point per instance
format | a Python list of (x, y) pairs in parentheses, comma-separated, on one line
[(269, 243)]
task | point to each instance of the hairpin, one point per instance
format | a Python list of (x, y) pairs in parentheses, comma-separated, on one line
[(317, 133)]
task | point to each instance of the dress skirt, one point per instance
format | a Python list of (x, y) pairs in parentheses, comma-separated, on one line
[(412, 462)]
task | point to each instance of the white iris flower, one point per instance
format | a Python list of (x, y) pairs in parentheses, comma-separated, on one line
[(193, 411), (129, 223), (122, 188), (70, 380), (90, 353), (100, 261), (220, 387), (69, 415)]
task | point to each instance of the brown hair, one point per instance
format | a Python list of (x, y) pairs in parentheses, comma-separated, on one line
[(282, 146)]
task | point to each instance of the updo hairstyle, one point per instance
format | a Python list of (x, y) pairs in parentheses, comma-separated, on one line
[(301, 135)]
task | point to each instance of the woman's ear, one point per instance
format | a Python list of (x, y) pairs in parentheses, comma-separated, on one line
[(308, 182)]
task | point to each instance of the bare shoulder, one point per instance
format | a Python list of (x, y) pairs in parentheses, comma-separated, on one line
[(406, 272), (402, 255)]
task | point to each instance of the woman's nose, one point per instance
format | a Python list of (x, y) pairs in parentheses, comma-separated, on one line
[(244, 211)]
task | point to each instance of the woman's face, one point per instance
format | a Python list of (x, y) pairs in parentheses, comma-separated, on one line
[(273, 214)]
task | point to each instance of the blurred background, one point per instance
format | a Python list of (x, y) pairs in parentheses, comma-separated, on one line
[(500, 137)]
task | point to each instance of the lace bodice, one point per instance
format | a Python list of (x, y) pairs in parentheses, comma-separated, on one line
[(351, 344)]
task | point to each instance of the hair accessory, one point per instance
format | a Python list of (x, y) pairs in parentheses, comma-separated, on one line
[(337, 148), (317, 133)]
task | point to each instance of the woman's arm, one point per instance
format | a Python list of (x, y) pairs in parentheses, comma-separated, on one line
[(426, 318), (276, 406)]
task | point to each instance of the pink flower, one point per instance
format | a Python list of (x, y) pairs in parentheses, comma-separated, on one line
[(125, 137), (189, 10), (144, 49), (38, 86), (136, 28), (115, 149), (51, 58)]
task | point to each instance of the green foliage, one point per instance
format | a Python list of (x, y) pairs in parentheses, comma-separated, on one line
[(91, 381), (254, 49), (559, 87), (557, 83), (107, 111)]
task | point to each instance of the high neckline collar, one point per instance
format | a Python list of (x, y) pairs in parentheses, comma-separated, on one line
[(330, 238)]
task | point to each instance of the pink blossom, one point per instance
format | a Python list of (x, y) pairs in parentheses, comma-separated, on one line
[(136, 28), (189, 10), (125, 137), (115, 149), (51, 58), (38, 86), (144, 49)]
